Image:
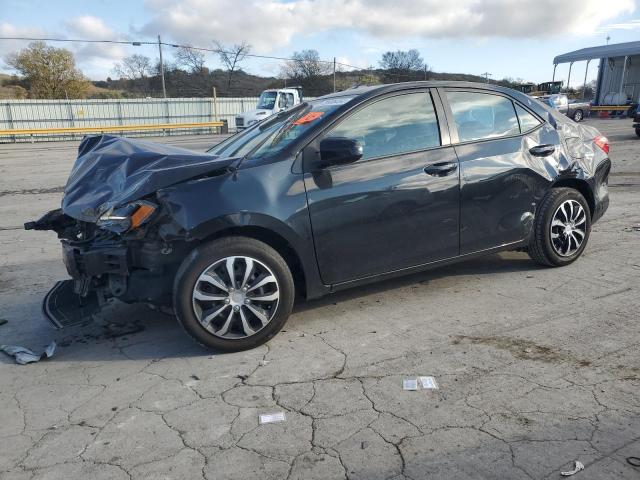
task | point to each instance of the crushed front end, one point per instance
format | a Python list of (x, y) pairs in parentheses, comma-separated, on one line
[(135, 265), (111, 222)]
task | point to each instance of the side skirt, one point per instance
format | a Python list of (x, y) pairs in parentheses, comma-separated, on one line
[(427, 266)]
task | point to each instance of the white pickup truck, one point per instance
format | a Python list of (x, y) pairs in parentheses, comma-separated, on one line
[(270, 102)]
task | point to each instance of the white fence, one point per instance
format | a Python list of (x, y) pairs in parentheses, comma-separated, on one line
[(49, 114)]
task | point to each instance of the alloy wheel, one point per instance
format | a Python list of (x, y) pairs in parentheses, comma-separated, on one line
[(568, 228), (236, 297)]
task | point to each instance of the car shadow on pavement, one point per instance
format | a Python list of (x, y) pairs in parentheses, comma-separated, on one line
[(136, 332), (506, 262)]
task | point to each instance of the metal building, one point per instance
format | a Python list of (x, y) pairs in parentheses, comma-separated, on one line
[(618, 73)]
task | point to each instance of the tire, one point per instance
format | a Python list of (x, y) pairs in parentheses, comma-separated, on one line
[(207, 268), (638, 132), (553, 244), (578, 115)]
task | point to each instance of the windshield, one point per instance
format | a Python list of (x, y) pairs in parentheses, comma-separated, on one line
[(272, 135), (267, 100)]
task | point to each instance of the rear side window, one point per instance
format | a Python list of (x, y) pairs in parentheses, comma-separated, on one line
[(480, 116), (527, 121), (392, 126)]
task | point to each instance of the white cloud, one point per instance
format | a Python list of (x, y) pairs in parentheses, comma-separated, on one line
[(10, 46), (93, 28), (630, 25), (268, 24), (95, 59)]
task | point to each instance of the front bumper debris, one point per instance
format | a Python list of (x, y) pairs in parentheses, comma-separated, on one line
[(64, 307)]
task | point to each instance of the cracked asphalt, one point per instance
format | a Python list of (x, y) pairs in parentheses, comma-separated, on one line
[(536, 367)]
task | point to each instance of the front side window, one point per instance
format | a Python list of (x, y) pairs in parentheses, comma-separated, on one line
[(392, 126), (480, 116), (274, 134)]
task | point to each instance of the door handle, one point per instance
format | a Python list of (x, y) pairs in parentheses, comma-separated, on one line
[(441, 169), (542, 150)]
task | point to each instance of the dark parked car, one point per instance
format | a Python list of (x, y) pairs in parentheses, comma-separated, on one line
[(360, 185)]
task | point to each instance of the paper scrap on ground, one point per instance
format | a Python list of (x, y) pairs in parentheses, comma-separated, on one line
[(409, 384), (428, 383), (23, 355), (272, 417), (578, 466)]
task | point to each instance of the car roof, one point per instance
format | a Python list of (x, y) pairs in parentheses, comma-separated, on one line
[(360, 94), (358, 90)]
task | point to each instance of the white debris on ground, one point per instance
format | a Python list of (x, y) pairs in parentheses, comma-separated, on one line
[(578, 466), (272, 418), (23, 355)]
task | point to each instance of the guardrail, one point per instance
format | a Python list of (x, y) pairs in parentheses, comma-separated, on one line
[(109, 129), (610, 108)]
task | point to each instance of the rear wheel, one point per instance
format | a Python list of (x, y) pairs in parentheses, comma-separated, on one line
[(578, 115), (638, 132), (561, 229), (233, 294)]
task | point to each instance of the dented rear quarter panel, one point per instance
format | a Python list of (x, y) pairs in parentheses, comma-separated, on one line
[(502, 183)]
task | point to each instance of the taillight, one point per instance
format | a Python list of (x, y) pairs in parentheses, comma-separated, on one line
[(602, 142)]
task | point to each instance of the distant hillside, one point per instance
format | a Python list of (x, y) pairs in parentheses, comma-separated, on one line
[(201, 84)]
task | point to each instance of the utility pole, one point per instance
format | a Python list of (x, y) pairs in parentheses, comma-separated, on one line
[(164, 89), (425, 72), (486, 76), (334, 74)]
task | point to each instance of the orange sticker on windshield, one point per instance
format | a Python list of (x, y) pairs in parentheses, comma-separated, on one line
[(308, 118)]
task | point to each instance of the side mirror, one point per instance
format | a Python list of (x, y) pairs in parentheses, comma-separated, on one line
[(340, 151)]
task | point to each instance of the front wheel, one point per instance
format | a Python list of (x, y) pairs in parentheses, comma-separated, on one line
[(638, 132), (578, 116), (561, 229), (233, 294)]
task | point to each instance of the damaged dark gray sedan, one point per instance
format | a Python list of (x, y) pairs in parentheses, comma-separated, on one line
[(353, 187)]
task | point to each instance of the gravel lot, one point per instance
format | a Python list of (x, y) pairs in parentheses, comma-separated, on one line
[(536, 367)]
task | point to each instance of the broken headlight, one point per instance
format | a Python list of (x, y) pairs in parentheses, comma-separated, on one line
[(125, 218)]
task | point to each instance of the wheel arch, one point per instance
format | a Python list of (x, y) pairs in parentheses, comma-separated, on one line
[(276, 241), (581, 186)]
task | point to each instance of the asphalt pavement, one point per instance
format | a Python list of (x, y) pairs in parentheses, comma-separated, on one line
[(536, 367)]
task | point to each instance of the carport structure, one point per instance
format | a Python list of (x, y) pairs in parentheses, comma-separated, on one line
[(618, 73)]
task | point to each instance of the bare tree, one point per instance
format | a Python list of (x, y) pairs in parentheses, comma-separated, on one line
[(403, 61), (134, 67), (190, 59), (231, 56), (305, 65)]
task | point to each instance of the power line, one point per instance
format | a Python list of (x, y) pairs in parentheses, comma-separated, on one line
[(75, 40), (138, 43)]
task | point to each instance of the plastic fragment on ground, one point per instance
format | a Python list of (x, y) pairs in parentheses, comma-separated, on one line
[(23, 355), (410, 384), (578, 466), (428, 383), (272, 418)]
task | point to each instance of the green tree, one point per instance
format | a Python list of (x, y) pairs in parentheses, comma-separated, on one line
[(49, 72)]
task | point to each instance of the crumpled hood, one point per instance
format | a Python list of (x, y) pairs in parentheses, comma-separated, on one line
[(111, 171)]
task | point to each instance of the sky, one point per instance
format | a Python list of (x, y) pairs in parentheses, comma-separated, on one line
[(506, 38)]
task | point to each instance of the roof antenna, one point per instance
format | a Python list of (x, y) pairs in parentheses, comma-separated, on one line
[(608, 38)]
